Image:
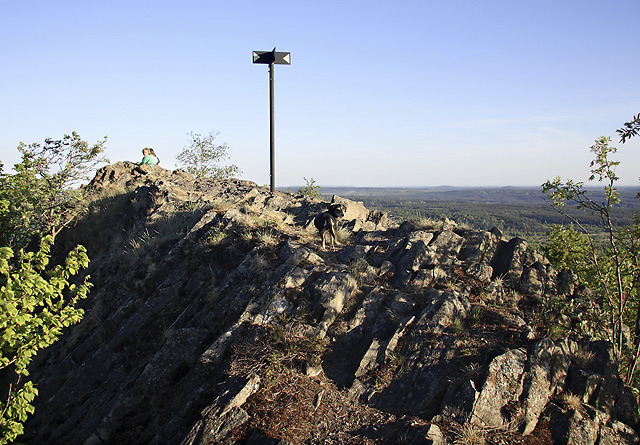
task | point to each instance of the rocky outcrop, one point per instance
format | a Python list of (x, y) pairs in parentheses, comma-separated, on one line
[(225, 413), (216, 317)]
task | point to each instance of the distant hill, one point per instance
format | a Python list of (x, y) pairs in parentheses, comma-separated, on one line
[(484, 195)]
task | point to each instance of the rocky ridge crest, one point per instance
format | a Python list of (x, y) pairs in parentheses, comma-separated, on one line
[(217, 318)]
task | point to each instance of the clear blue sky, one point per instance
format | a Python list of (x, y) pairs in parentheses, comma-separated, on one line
[(379, 93)]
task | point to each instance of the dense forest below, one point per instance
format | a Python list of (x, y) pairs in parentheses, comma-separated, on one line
[(516, 211)]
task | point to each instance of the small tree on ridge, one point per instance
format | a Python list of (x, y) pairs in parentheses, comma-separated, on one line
[(202, 154), (45, 195), (612, 265)]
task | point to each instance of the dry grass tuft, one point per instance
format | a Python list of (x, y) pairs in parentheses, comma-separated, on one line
[(571, 401), (267, 238), (583, 357), (281, 344), (470, 434), (426, 224)]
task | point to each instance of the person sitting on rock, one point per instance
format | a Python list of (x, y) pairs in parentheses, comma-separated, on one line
[(148, 158), (152, 153)]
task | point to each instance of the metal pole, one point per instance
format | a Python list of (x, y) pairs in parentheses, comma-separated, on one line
[(272, 127)]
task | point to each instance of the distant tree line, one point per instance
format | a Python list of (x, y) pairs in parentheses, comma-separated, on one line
[(529, 221)]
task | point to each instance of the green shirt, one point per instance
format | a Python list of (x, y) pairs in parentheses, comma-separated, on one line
[(148, 160)]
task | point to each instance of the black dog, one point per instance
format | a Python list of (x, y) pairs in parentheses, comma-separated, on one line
[(327, 222)]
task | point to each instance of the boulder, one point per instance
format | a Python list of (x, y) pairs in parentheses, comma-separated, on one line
[(447, 245), (459, 401), (332, 290), (225, 413), (443, 309), (355, 210), (509, 260), (502, 387), (548, 366)]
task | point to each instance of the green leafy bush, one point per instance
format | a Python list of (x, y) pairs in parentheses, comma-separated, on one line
[(608, 264), (311, 190), (44, 195), (36, 304)]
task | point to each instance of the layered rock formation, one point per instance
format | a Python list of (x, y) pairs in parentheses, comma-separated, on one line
[(217, 318)]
